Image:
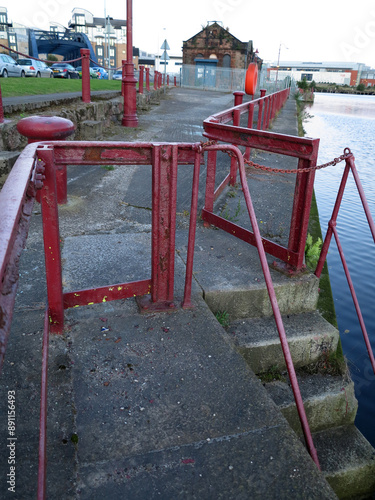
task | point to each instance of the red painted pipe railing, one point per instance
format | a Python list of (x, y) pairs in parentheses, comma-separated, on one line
[(332, 230), (36, 166), (225, 127)]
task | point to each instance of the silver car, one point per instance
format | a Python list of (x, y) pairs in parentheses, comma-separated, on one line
[(35, 68), (9, 67)]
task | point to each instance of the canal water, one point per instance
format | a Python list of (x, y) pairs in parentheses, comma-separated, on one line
[(342, 121)]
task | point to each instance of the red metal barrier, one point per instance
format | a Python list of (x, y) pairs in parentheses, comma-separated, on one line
[(225, 127), (140, 85), (38, 162), (148, 79), (349, 167), (1, 108), (85, 53)]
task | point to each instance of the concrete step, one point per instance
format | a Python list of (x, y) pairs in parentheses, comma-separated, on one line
[(348, 462), (309, 336), (229, 272), (329, 401)]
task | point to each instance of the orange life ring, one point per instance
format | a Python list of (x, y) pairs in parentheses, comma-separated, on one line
[(251, 79)]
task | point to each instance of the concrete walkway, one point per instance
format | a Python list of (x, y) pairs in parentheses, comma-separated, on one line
[(154, 405)]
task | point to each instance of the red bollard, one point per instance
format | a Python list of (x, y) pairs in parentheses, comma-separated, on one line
[(140, 88), (263, 92), (167, 80), (148, 79), (238, 97), (130, 118), (49, 128), (1, 108), (123, 78), (86, 97), (175, 81), (155, 80)]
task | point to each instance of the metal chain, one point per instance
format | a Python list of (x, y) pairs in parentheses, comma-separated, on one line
[(335, 161)]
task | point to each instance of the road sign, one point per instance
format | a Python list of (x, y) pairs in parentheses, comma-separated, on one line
[(165, 46), (165, 56)]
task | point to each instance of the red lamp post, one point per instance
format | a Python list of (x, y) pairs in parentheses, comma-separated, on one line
[(129, 118)]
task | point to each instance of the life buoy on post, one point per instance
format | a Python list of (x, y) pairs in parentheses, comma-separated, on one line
[(251, 79)]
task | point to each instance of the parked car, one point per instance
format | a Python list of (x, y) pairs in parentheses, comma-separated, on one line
[(93, 73), (103, 74), (117, 75), (35, 68), (64, 70), (9, 67)]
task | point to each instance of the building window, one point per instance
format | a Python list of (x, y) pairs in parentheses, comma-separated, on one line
[(99, 51), (80, 29), (112, 52), (3, 22), (80, 19), (99, 41)]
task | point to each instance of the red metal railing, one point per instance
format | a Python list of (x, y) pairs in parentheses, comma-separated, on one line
[(38, 163), (225, 126), (332, 230), (86, 90)]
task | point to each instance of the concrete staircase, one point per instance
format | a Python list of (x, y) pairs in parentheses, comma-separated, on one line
[(346, 457)]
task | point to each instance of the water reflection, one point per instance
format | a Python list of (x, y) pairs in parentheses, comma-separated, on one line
[(347, 121)]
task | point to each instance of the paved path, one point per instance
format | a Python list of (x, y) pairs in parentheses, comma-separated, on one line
[(143, 406)]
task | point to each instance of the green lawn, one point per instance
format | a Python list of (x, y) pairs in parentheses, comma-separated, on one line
[(11, 87)]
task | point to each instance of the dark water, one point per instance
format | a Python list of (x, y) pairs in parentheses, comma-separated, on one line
[(348, 121)]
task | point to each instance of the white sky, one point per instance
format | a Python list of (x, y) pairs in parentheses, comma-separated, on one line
[(319, 30)]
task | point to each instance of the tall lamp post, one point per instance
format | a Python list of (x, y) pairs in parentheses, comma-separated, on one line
[(278, 63), (129, 118)]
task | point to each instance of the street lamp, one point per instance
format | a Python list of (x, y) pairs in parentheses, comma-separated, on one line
[(278, 63)]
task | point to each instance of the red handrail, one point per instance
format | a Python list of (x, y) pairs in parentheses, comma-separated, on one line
[(349, 167)]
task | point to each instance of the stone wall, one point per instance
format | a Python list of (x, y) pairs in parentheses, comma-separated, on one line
[(89, 119)]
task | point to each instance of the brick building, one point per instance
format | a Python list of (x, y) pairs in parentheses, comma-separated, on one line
[(215, 45)]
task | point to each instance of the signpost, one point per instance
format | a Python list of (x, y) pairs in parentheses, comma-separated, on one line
[(165, 57)]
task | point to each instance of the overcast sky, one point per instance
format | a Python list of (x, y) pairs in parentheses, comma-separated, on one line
[(319, 30)]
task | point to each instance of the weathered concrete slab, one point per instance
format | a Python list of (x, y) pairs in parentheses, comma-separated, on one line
[(309, 337), (348, 461), (329, 400)]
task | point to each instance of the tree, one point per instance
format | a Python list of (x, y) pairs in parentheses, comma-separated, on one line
[(303, 85)]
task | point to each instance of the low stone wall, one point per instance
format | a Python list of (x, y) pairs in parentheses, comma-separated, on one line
[(89, 119)]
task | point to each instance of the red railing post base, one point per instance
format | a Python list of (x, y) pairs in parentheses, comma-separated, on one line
[(146, 305)]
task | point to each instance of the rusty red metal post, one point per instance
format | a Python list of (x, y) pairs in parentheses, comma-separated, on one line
[(123, 62), (85, 53), (129, 118), (238, 97), (51, 237), (1, 108), (148, 79), (49, 128), (140, 87), (164, 199)]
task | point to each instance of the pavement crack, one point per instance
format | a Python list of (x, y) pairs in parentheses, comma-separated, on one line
[(134, 206)]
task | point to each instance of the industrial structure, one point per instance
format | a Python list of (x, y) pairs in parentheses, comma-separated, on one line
[(340, 73)]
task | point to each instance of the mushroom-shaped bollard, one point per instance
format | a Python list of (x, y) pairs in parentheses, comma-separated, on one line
[(49, 128)]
